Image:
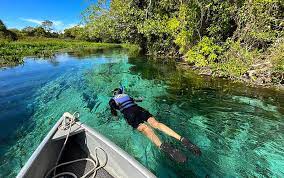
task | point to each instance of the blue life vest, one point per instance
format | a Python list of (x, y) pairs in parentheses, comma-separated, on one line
[(123, 101)]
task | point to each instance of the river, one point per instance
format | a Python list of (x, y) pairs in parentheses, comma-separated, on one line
[(239, 129)]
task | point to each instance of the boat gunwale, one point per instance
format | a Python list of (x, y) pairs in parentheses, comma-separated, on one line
[(119, 151), (143, 170), (39, 149)]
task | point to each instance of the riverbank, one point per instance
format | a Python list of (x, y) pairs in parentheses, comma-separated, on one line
[(12, 53), (259, 77), (239, 40)]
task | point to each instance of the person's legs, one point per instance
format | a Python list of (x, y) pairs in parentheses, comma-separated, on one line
[(146, 130), (162, 127), (175, 154)]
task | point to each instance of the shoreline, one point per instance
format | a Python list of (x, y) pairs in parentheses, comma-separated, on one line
[(206, 71), (17, 58), (13, 53)]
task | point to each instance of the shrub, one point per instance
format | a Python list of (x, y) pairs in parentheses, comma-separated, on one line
[(277, 56), (236, 60), (133, 50), (205, 53)]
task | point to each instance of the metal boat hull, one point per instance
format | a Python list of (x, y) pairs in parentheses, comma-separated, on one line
[(119, 163)]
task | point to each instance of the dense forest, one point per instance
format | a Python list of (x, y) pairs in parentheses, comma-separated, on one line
[(239, 39), (235, 38)]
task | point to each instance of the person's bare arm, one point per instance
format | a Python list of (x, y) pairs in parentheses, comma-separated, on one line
[(113, 107)]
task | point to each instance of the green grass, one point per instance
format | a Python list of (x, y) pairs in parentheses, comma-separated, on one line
[(133, 50), (13, 53)]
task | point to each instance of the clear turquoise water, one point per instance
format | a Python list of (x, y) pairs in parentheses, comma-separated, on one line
[(239, 129)]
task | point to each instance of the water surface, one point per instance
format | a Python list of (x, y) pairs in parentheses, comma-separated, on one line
[(239, 129)]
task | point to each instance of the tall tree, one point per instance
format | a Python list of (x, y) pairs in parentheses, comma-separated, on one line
[(2, 26), (5, 33), (47, 25)]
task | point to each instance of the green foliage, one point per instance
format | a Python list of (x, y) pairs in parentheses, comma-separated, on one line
[(12, 53), (41, 31), (260, 23), (47, 25), (185, 34), (102, 30), (237, 60), (2, 26), (276, 53), (76, 32), (37, 32), (219, 23), (205, 53), (133, 50), (227, 36), (156, 37), (5, 34), (194, 29)]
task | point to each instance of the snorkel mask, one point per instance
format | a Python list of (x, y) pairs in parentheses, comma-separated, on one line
[(119, 90)]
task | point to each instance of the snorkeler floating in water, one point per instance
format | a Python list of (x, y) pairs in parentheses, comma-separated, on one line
[(137, 117)]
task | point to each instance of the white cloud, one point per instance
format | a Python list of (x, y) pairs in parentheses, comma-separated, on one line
[(39, 22), (57, 24), (71, 25)]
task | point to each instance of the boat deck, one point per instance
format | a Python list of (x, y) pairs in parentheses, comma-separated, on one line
[(73, 151)]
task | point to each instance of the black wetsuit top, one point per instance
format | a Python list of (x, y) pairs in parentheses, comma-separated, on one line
[(134, 115)]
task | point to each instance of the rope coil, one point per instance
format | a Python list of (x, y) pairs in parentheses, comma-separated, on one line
[(67, 123)]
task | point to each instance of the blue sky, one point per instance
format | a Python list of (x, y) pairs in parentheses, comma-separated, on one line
[(22, 13)]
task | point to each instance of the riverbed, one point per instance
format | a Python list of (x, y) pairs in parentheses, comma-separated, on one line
[(239, 129)]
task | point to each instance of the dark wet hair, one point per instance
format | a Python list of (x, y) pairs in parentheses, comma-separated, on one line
[(117, 91)]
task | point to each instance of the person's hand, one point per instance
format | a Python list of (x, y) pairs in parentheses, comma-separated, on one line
[(139, 99)]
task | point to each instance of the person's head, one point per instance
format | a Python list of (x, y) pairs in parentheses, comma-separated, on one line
[(117, 91)]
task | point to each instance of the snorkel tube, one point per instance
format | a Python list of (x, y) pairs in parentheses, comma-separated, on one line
[(121, 87)]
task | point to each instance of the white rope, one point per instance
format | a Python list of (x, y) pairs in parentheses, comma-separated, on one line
[(67, 124)]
